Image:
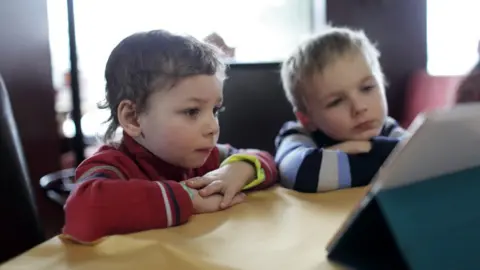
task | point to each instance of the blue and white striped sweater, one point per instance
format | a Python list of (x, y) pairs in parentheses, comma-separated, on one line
[(306, 166)]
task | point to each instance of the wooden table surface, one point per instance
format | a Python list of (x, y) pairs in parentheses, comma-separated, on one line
[(273, 229)]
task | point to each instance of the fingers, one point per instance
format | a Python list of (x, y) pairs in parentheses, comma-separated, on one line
[(339, 147), (238, 198), (213, 203), (198, 182), (368, 147), (353, 147), (362, 147), (235, 199), (207, 204), (227, 198), (214, 187)]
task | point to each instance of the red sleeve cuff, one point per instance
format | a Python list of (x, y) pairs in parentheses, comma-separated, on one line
[(177, 202)]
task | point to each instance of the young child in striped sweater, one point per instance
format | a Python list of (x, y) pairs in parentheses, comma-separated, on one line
[(165, 92), (336, 87)]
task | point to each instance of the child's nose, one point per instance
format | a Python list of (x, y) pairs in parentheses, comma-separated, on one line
[(359, 107), (211, 127)]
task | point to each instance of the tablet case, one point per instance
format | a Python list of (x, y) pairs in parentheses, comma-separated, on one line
[(422, 211), (426, 225)]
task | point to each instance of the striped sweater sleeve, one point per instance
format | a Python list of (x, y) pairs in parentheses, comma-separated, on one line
[(267, 162), (384, 144), (393, 130), (305, 167), (107, 203)]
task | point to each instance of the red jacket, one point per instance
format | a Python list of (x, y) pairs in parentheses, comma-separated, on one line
[(127, 189)]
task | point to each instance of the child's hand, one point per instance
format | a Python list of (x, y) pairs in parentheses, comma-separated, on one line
[(212, 203), (352, 147), (228, 180)]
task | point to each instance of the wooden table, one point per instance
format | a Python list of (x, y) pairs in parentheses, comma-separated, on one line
[(274, 229)]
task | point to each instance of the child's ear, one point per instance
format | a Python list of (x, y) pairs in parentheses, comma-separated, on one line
[(128, 118), (304, 120)]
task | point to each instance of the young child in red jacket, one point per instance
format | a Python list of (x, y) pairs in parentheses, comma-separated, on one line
[(165, 92)]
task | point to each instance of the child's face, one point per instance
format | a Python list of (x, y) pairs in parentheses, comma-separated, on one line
[(346, 100), (181, 125)]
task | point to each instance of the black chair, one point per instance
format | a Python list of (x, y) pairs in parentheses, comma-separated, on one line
[(20, 227), (58, 185), (256, 107)]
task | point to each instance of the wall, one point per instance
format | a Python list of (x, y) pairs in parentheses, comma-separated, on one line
[(399, 28), (25, 67)]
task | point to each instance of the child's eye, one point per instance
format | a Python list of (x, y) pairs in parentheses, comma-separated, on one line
[(218, 110), (334, 103), (192, 112), (368, 88)]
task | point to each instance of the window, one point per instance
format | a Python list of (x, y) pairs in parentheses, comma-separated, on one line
[(259, 30), (453, 34)]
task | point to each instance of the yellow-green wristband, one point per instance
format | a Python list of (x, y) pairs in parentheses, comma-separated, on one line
[(260, 173)]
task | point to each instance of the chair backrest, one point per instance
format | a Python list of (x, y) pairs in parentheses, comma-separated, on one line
[(20, 224), (425, 93), (256, 106)]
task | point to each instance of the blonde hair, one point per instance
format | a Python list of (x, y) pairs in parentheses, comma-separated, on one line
[(316, 53)]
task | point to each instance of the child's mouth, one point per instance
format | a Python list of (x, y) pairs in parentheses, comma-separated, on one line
[(205, 150), (365, 126)]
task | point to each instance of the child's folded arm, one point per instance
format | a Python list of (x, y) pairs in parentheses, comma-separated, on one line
[(267, 173), (382, 146), (306, 168), (309, 169), (105, 204), (393, 130)]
